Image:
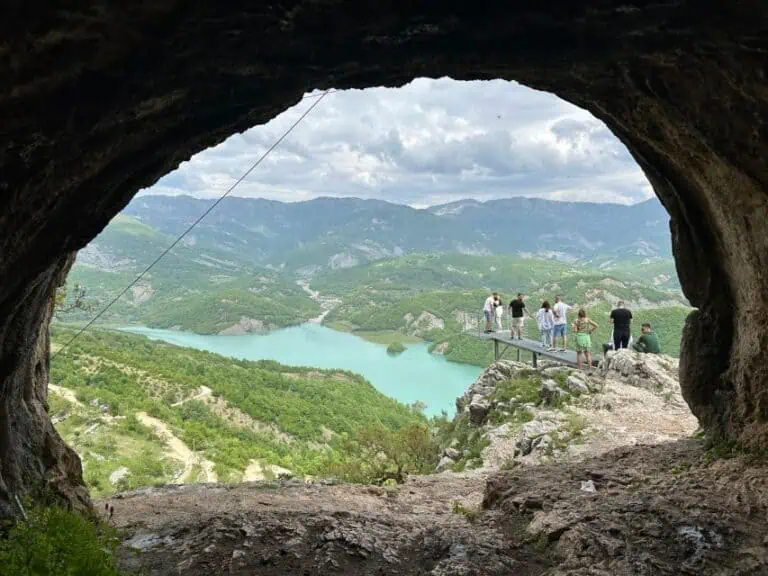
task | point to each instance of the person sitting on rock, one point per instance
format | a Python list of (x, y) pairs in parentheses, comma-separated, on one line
[(583, 327), (647, 343)]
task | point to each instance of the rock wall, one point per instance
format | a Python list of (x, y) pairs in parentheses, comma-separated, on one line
[(33, 458), (97, 102)]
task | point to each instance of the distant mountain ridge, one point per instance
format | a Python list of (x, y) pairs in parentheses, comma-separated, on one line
[(330, 233)]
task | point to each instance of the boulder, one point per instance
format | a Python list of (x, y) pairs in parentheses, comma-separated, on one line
[(551, 393), (485, 385), (444, 464), (654, 372), (541, 444), (478, 410), (531, 431), (576, 385), (118, 475), (452, 453)]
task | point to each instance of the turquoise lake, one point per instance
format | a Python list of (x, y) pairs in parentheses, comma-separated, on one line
[(413, 375)]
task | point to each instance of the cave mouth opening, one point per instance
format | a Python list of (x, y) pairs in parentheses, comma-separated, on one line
[(683, 87), (433, 147)]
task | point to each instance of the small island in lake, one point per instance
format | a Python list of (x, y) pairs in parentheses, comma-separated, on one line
[(395, 348)]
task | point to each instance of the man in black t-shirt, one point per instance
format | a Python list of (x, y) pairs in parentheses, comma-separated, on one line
[(621, 318), (516, 307)]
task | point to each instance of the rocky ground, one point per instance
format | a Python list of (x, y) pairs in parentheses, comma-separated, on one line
[(601, 476), (556, 413)]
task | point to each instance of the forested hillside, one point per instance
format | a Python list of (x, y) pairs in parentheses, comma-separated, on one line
[(439, 298), (141, 412), (203, 291)]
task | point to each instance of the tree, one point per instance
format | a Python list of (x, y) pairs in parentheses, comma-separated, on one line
[(67, 301), (376, 454)]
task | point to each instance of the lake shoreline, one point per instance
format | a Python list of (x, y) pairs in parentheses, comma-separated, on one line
[(416, 375)]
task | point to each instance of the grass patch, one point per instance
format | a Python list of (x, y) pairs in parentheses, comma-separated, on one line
[(469, 440), (458, 508), (340, 326), (58, 542), (524, 389), (575, 425)]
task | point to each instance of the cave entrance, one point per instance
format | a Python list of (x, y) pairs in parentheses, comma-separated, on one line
[(404, 207), (682, 86)]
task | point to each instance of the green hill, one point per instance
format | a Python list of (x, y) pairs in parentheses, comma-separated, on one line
[(114, 397), (204, 291), (439, 297)]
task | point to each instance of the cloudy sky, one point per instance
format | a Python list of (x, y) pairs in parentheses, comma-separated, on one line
[(429, 142)]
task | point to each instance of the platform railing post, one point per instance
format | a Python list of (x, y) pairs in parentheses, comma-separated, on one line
[(496, 349), (518, 354), (534, 359)]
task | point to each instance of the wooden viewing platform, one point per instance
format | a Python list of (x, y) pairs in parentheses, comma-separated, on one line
[(534, 347)]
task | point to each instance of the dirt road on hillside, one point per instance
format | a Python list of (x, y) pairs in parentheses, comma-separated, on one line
[(178, 450)]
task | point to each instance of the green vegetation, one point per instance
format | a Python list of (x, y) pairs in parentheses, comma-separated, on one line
[(460, 432), (54, 541), (376, 454), (458, 508), (296, 418), (523, 390), (395, 348), (436, 298), (200, 290)]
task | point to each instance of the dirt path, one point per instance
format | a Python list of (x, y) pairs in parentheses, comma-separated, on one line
[(178, 450), (65, 393), (204, 392), (327, 303)]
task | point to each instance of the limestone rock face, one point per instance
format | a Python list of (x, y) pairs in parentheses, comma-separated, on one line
[(96, 104), (33, 458)]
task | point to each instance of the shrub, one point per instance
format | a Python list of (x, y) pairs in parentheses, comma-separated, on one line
[(376, 454), (58, 542)]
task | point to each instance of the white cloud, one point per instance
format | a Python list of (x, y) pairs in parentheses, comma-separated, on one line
[(429, 142)]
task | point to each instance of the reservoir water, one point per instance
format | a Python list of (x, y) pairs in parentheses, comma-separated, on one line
[(413, 375)]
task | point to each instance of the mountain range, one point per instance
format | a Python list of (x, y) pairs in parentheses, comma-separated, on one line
[(335, 233)]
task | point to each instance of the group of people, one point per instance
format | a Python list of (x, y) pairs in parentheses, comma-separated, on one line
[(552, 323)]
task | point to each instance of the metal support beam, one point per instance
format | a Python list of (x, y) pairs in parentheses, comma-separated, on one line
[(496, 349), (518, 354), (535, 356)]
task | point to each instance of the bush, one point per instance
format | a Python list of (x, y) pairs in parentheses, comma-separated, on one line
[(395, 348), (58, 542), (376, 454)]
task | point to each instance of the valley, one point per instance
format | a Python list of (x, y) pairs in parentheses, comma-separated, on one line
[(257, 267), (263, 385)]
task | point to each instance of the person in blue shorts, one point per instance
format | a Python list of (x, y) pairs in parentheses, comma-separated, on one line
[(560, 329)]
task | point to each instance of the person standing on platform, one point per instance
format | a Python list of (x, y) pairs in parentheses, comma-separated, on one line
[(499, 313), (621, 318), (488, 308), (517, 309), (583, 327), (560, 328), (545, 321)]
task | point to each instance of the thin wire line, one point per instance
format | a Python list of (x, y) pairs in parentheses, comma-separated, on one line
[(195, 223)]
